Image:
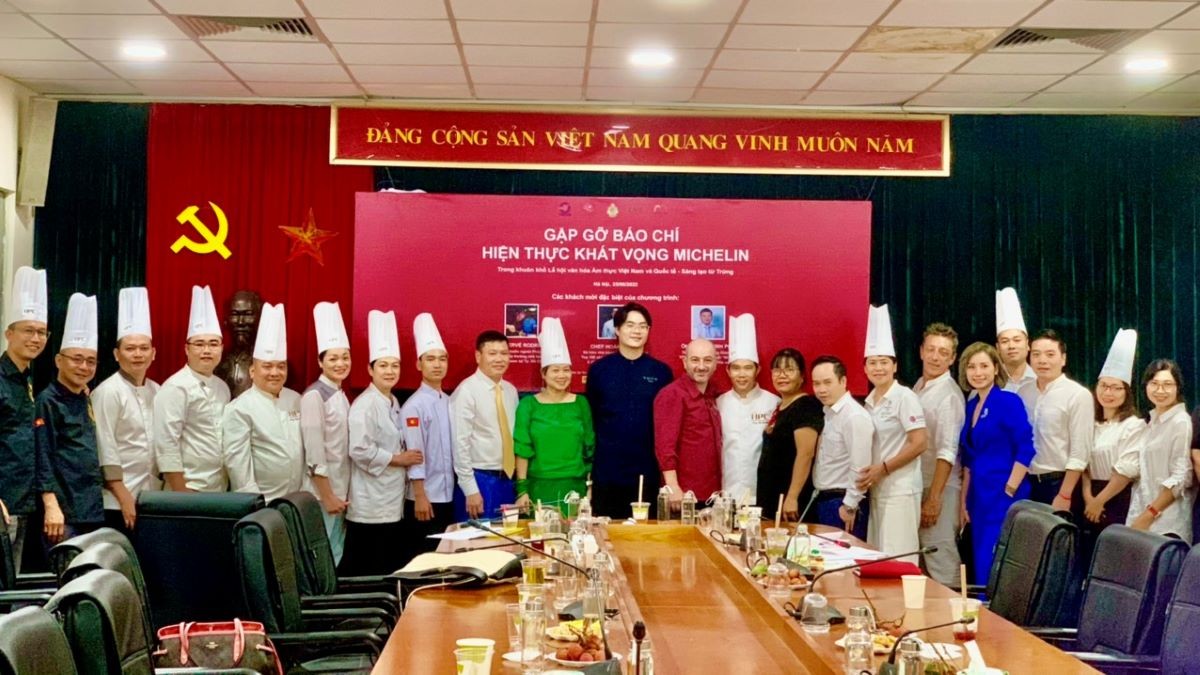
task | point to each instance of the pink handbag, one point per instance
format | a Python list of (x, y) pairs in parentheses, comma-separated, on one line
[(218, 644)]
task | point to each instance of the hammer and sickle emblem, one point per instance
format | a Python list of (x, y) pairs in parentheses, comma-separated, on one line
[(212, 242)]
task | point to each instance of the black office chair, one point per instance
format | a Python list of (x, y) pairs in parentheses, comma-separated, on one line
[(103, 555), (11, 581), (1040, 552), (102, 617), (182, 544), (322, 640), (32, 643), (1000, 551), (1125, 600)]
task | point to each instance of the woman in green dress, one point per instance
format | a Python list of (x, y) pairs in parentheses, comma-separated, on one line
[(553, 437)]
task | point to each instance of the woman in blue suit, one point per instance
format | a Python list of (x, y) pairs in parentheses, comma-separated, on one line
[(997, 447)]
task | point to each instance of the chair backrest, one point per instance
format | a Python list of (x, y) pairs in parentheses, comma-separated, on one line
[(8, 568), (106, 556), (32, 643), (1182, 631), (999, 553), (306, 525), (102, 617), (182, 543), (1129, 587), (1039, 555), (61, 556), (268, 571)]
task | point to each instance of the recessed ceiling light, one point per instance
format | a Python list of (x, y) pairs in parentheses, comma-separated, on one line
[(1146, 64), (143, 51), (651, 58)]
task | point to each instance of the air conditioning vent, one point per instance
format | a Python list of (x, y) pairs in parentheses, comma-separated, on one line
[(218, 27), (1098, 39)]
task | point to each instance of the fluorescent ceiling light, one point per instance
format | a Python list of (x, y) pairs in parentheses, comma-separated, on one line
[(1146, 64), (143, 51), (651, 58)]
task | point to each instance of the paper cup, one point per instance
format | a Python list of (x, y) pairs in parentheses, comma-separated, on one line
[(914, 591)]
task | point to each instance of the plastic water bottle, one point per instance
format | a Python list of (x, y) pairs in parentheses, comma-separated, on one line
[(800, 545), (664, 504), (687, 508), (860, 649)]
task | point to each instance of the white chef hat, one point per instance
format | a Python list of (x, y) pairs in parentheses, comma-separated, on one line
[(879, 333), (331, 329), (27, 299), (553, 342), (271, 342), (743, 339), (1008, 311), (381, 331), (202, 320), (133, 312), (1119, 363), (79, 331), (426, 335)]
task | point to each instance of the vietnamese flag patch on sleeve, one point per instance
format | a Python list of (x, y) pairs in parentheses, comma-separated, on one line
[(412, 422)]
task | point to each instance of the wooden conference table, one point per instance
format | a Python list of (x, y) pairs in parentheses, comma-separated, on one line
[(702, 614)]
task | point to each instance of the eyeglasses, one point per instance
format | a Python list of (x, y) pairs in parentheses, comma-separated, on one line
[(1164, 386), (30, 333), (890, 625), (785, 371), (211, 344), (77, 360), (1111, 388)]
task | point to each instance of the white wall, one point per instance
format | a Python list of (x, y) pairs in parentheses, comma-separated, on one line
[(16, 245)]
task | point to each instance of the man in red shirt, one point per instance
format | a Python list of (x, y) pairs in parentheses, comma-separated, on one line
[(687, 427)]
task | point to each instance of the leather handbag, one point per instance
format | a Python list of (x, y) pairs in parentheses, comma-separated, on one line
[(219, 644)]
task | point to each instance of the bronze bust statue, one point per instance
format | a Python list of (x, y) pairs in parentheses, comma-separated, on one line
[(241, 318)]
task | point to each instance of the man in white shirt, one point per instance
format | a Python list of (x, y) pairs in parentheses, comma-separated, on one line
[(189, 406), (1063, 425), (745, 411), (942, 401), (483, 409), (842, 451), (261, 432), (1012, 342), (124, 408)]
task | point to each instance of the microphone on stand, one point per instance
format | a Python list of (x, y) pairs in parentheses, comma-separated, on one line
[(889, 668), (465, 549), (591, 574), (639, 634), (924, 551)]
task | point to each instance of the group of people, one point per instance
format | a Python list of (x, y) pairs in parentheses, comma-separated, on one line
[(904, 469)]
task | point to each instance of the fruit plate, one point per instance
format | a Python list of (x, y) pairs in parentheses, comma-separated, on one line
[(582, 664), (797, 584), (929, 651)]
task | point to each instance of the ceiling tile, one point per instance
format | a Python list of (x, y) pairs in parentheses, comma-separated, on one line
[(387, 31), (526, 10), (49, 50), (179, 88), (85, 6), (272, 52), (615, 57), (668, 11), (857, 98), (288, 72), (640, 94), (54, 70), (1167, 42), (21, 27), (1176, 63), (534, 76), (411, 55), (677, 36), (1093, 100), (793, 37), (524, 56), (409, 74), (80, 87), (758, 59), (305, 89), (1187, 84), (280, 8), (879, 62), (1026, 64), (956, 13), (114, 26), (747, 96), (1112, 83), (760, 79), (160, 70), (957, 82), (962, 99), (374, 9), (418, 90), (814, 12), (1189, 20), (1104, 14), (110, 50), (1184, 102), (618, 77), (526, 33), (878, 82), (507, 92)]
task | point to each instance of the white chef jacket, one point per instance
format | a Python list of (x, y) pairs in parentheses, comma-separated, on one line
[(1116, 446), (324, 428), (945, 414), (124, 432), (477, 441), (188, 410), (1166, 462), (844, 447), (261, 436), (1028, 377), (376, 488), (894, 415), (1064, 419), (742, 424)]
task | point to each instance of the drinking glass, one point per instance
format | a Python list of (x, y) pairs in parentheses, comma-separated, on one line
[(533, 632), (513, 613), (965, 609), (534, 570), (777, 540)]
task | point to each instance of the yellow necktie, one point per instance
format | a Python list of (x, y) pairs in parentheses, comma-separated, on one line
[(509, 460)]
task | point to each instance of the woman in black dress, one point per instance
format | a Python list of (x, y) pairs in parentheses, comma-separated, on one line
[(789, 440)]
